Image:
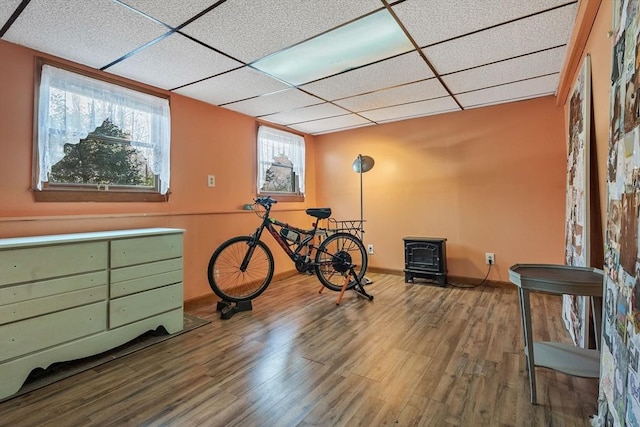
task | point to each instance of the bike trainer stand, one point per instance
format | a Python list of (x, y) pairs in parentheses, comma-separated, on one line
[(357, 288), (228, 308)]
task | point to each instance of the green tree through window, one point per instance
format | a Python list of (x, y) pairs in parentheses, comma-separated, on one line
[(105, 157)]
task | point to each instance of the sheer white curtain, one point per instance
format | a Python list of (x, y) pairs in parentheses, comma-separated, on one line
[(70, 106), (273, 143)]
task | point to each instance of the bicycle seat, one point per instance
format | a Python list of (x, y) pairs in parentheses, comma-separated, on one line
[(320, 213)]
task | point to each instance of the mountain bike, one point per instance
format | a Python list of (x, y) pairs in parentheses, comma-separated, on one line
[(242, 267)]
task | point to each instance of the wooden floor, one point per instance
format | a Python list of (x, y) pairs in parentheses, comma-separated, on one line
[(417, 355)]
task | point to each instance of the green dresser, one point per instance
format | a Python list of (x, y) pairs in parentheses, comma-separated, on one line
[(64, 297)]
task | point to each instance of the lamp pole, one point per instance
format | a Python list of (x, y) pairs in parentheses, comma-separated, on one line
[(361, 199), (361, 165)]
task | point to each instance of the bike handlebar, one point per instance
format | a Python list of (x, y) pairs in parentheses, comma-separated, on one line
[(266, 201)]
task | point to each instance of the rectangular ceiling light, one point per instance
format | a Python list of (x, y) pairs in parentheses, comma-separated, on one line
[(361, 42)]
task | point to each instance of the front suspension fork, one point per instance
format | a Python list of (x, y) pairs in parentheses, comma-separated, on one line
[(252, 246)]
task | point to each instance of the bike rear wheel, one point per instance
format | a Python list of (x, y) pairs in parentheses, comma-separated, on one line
[(227, 279), (334, 257)]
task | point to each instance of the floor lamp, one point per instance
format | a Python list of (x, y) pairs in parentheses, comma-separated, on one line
[(362, 164)]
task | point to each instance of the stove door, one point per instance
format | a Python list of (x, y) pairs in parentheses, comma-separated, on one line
[(422, 256)]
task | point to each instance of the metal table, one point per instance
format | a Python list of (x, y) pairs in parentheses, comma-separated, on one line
[(558, 279)]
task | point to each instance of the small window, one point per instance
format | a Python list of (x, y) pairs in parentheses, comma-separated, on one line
[(98, 141), (281, 161)]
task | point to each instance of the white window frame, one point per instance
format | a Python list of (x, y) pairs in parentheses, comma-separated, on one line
[(272, 142), (145, 116)]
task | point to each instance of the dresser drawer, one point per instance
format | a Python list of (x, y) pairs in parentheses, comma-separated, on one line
[(45, 262), (140, 250), (28, 291), (39, 306), (145, 283), (138, 306), (26, 336)]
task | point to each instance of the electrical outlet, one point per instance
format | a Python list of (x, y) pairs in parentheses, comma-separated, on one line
[(211, 181), (490, 258), (370, 249)]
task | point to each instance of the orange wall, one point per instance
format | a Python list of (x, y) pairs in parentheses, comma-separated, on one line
[(488, 180), (205, 140)]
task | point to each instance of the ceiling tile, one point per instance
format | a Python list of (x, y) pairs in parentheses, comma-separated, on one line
[(250, 30), (332, 123), (532, 88), (415, 109), (517, 38), (313, 112), (431, 21), (120, 30), (524, 67), (273, 103), (171, 12), (173, 62), (232, 86), (340, 129), (404, 94), (510, 61), (7, 7), (403, 69)]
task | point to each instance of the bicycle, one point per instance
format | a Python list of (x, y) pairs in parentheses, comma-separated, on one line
[(242, 267)]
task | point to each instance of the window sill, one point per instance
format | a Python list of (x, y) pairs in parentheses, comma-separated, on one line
[(284, 198), (64, 195)]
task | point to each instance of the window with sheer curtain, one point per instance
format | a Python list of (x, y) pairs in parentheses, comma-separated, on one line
[(94, 136), (281, 162)]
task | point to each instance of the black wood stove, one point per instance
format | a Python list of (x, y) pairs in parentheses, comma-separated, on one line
[(425, 257)]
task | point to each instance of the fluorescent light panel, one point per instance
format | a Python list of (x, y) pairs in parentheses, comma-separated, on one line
[(364, 41)]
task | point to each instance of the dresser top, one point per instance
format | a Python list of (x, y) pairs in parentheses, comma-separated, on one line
[(80, 237)]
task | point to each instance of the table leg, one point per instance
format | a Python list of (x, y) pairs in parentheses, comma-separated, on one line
[(596, 312), (525, 311)]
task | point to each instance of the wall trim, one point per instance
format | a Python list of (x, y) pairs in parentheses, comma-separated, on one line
[(135, 215), (462, 280), (211, 299), (585, 17)]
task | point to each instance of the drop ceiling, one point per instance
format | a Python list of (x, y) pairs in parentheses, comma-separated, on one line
[(459, 54)]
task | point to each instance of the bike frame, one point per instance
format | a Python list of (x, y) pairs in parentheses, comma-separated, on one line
[(269, 224)]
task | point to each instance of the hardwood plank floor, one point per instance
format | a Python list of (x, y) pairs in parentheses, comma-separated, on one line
[(418, 355)]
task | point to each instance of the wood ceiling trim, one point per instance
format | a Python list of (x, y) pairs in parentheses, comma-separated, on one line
[(585, 17)]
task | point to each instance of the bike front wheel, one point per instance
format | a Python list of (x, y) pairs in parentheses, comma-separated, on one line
[(226, 277), (334, 258)]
